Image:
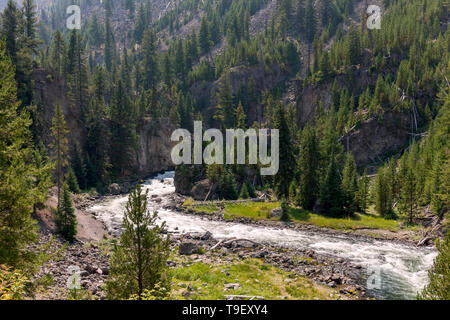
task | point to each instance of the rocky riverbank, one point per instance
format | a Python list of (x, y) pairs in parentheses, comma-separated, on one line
[(91, 259)]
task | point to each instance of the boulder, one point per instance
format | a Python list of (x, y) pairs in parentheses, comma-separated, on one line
[(232, 286), (188, 247), (201, 189), (206, 236), (276, 212), (114, 189)]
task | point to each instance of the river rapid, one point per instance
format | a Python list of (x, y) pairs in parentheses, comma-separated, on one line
[(395, 271)]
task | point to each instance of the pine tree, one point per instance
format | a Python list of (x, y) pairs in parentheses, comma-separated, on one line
[(244, 192), (240, 116), (408, 195), (310, 21), (122, 130), (10, 29), (79, 167), (382, 196), (363, 191), (204, 37), (286, 156), (150, 63), (57, 53), (138, 263), (332, 197), (66, 220), (109, 45), (284, 210), (140, 24), (350, 181), (293, 191), (353, 46), (72, 182), (225, 110), (227, 188), (59, 146), (23, 182), (438, 287), (308, 168)]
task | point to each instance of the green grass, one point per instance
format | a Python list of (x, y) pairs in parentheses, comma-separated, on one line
[(254, 210), (254, 277), (261, 210)]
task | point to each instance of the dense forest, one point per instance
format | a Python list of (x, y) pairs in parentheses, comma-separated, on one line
[(310, 68)]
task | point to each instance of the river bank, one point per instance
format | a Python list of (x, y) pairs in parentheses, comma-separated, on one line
[(402, 267)]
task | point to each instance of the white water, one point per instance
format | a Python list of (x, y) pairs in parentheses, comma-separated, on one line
[(403, 268)]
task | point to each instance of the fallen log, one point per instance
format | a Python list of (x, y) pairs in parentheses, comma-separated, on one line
[(216, 245)]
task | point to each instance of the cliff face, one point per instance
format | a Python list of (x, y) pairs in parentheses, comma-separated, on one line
[(377, 138), (153, 148), (48, 91)]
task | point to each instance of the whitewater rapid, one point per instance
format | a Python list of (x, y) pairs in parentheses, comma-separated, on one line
[(402, 269)]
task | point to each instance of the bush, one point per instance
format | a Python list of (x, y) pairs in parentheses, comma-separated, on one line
[(284, 211), (12, 284)]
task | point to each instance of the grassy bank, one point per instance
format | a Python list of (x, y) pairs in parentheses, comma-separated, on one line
[(248, 277), (261, 210)]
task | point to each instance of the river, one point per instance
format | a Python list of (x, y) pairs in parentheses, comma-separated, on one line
[(398, 271)]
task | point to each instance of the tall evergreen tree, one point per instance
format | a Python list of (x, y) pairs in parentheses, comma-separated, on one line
[(332, 197), (122, 130), (286, 154), (308, 167), (350, 181), (22, 181), (59, 146), (66, 220), (139, 260), (150, 63)]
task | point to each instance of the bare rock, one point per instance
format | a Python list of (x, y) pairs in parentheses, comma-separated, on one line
[(188, 247)]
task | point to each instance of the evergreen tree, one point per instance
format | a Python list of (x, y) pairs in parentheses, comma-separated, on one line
[(310, 21), (66, 220), (225, 110), (244, 192), (122, 130), (284, 210), (363, 191), (408, 195), (204, 37), (286, 156), (59, 146), (109, 51), (383, 196), (308, 168), (22, 182), (350, 181), (138, 263), (332, 197), (79, 167), (438, 287), (57, 53), (72, 182), (150, 63), (227, 188)]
